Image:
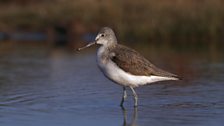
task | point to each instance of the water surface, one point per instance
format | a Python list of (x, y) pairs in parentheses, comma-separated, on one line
[(45, 86)]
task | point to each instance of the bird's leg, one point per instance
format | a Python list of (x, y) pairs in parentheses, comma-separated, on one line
[(134, 118), (135, 97), (124, 96), (125, 116)]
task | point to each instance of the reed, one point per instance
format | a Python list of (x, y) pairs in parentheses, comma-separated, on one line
[(143, 19)]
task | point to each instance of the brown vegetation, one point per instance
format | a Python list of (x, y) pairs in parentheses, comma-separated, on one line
[(143, 19)]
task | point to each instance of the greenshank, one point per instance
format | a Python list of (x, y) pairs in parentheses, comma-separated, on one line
[(124, 65)]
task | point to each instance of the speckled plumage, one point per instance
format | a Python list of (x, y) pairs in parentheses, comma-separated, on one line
[(132, 62)]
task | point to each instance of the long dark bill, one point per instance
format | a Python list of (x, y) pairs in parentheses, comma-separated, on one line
[(88, 45)]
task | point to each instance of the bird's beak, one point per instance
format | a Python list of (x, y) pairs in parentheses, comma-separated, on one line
[(88, 45)]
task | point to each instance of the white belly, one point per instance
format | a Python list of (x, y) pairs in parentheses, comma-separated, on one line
[(114, 73)]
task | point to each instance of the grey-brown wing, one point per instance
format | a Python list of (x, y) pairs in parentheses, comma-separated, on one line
[(131, 61)]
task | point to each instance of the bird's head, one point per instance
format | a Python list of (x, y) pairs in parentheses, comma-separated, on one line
[(106, 37)]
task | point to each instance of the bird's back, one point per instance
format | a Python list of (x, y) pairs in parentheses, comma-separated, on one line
[(134, 63)]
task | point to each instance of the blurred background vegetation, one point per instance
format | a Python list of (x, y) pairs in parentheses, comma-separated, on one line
[(185, 21)]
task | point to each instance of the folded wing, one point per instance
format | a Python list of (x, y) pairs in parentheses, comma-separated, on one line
[(132, 62)]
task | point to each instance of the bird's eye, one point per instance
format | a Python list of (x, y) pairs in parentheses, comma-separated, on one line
[(102, 35)]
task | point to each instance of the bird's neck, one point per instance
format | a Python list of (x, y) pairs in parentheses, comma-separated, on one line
[(109, 45), (105, 49)]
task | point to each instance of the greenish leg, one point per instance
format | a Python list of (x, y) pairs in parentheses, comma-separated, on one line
[(135, 97), (124, 97)]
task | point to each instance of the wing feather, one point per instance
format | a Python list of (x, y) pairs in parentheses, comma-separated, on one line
[(131, 61)]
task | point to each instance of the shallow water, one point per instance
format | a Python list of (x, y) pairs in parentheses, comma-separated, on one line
[(43, 86)]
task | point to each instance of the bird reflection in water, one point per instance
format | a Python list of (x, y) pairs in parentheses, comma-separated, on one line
[(133, 121)]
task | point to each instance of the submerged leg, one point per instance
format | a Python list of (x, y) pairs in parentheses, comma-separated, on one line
[(125, 116), (124, 96), (134, 117), (135, 97)]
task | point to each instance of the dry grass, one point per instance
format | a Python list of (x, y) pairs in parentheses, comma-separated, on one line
[(145, 19)]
